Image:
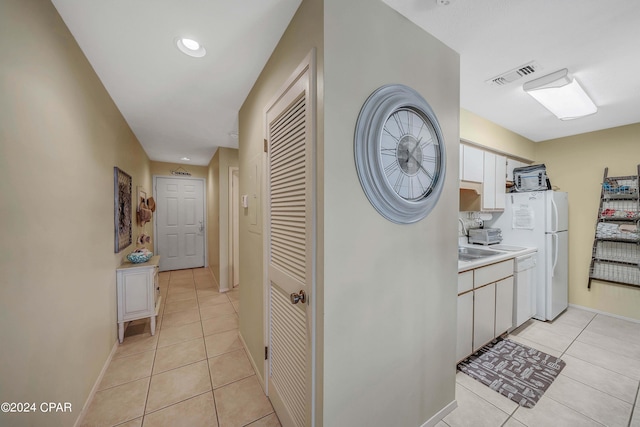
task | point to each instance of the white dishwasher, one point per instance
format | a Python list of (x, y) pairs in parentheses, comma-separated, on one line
[(524, 294)]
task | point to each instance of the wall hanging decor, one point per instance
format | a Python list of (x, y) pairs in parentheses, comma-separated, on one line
[(180, 171), (400, 154), (122, 208)]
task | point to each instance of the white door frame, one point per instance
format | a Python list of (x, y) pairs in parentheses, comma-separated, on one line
[(231, 219), (309, 62), (204, 214)]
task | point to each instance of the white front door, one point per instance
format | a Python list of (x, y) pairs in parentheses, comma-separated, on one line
[(291, 244), (180, 227)]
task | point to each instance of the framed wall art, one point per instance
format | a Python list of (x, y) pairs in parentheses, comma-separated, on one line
[(122, 209)]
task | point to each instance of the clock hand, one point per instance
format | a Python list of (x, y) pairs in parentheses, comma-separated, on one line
[(420, 166)]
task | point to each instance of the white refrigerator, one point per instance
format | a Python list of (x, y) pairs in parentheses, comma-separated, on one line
[(540, 219)]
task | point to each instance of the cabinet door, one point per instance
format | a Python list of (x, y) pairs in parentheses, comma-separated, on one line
[(492, 273), (484, 312), (465, 326), (465, 281), (137, 295), (461, 164), (489, 182), (504, 305), (500, 182), (472, 164)]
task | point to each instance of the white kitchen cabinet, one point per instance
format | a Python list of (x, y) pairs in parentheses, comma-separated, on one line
[(485, 305), (465, 326), (472, 164), (465, 282), (500, 182), (504, 305), (138, 293), (494, 181), (492, 273), (484, 312)]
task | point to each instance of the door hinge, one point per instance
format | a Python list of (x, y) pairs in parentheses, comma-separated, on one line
[(266, 146), (266, 353)]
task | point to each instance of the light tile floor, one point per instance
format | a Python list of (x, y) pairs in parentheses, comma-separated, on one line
[(192, 372), (599, 385)]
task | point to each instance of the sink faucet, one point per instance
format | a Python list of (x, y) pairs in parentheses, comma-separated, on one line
[(464, 230)]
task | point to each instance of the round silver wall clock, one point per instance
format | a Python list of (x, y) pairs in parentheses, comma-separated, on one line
[(400, 154)]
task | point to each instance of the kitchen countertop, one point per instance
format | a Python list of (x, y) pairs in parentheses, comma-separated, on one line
[(500, 256)]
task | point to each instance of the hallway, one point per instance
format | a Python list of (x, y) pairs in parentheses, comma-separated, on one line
[(193, 372)]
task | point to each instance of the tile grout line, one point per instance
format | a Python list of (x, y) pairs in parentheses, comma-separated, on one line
[(633, 406), (155, 351), (586, 385), (576, 411), (577, 336), (206, 354), (156, 347)]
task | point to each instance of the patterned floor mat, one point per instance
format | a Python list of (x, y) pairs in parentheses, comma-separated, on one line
[(514, 370)]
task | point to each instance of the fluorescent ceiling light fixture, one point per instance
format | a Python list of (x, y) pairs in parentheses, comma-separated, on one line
[(562, 95), (191, 47)]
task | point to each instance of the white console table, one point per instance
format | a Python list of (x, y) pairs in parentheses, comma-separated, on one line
[(138, 293)]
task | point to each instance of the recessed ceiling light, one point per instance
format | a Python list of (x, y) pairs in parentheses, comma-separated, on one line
[(186, 159), (190, 47)]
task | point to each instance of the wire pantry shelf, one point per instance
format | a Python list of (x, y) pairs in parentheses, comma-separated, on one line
[(617, 251), (613, 272), (623, 187), (616, 246), (619, 210), (617, 231)]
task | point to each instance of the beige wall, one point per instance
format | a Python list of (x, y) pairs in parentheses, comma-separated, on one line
[(576, 165), (377, 326), (218, 213), (164, 169), (389, 290), (213, 215), (60, 137), (481, 131), (228, 158), (304, 33)]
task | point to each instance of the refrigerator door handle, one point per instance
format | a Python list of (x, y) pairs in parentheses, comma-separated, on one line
[(554, 222), (555, 238)]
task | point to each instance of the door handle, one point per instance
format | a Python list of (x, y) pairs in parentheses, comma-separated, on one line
[(298, 297), (201, 227)]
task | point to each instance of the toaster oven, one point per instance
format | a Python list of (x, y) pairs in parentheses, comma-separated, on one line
[(485, 236)]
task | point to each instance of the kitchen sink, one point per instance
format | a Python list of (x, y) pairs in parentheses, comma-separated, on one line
[(471, 254), (508, 248)]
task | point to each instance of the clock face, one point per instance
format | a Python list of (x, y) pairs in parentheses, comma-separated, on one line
[(410, 151), (400, 154)]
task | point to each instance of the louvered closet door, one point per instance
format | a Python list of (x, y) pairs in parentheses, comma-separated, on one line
[(289, 136)]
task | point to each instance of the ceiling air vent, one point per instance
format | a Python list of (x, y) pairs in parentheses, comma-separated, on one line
[(515, 74)]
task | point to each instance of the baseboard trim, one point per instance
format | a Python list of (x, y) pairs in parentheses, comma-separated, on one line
[(431, 422), (605, 313), (253, 363), (94, 389)]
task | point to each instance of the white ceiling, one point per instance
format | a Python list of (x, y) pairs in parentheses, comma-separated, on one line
[(180, 106), (176, 105), (597, 40)]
